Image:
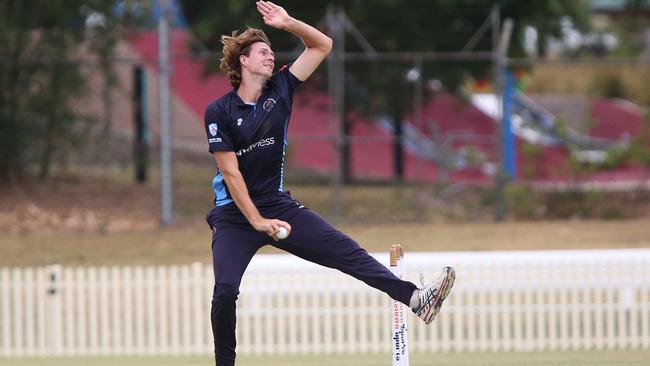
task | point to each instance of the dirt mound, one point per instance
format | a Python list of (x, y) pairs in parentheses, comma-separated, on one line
[(70, 204)]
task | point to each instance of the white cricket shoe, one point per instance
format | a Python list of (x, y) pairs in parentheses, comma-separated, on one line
[(432, 296)]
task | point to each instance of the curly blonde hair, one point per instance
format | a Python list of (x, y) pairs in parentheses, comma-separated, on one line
[(235, 46)]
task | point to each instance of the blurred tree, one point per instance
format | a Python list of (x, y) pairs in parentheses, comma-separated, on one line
[(39, 81), (390, 26), (393, 25)]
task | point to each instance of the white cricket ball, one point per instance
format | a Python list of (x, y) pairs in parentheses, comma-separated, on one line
[(282, 233)]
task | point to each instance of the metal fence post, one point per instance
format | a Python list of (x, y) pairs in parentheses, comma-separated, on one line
[(500, 54), (336, 90), (166, 190)]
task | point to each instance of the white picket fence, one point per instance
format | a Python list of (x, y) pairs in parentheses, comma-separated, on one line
[(546, 300)]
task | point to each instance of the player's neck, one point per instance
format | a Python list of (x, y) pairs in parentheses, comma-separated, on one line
[(250, 89)]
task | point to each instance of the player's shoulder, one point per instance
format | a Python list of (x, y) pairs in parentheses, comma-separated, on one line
[(284, 79), (220, 105), (282, 72)]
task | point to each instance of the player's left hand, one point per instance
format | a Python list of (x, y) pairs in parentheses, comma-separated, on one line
[(274, 16)]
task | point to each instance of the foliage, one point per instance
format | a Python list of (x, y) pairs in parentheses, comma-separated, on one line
[(526, 203), (393, 25), (610, 85), (522, 202), (39, 80), (381, 87), (636, 152), (631, 28), (533, 154), (545, 16), (640, 144)]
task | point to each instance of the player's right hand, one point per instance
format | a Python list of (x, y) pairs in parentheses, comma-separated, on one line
[(274, 15), (271, 226)]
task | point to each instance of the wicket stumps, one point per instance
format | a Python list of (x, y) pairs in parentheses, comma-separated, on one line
[(399, 339)]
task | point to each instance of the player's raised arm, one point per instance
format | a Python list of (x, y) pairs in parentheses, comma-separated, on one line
[(317, 44)]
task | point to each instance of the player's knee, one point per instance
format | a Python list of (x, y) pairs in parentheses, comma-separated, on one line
[(224, 292)]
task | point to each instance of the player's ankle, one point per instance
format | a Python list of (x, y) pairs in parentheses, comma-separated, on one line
[(414, 302)]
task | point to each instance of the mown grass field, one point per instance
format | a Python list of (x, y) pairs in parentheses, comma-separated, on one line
[(583, 358), (91, 218), (190, 242)]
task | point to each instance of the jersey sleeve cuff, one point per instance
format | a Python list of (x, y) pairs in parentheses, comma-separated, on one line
[(219, 147)]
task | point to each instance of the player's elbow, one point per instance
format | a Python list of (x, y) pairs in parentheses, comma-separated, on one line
[(230, 173), (321, 47), (327, 45)]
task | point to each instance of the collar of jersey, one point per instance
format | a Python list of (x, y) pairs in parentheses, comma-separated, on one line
[(240, 102)]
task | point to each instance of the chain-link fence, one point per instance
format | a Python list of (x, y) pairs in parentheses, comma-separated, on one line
[(418, 138), (442, 141)]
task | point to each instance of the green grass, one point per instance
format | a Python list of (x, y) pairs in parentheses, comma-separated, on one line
[(582, 358), (93, 219), (190, 241)]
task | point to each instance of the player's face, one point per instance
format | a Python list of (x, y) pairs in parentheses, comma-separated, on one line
[(261, 59)]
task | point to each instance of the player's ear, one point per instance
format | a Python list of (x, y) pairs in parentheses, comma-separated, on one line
[(243, 60)]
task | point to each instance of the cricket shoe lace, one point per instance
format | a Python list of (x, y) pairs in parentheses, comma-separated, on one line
[(431, 296)]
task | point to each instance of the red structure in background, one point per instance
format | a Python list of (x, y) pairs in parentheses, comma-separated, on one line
[(373, 159)]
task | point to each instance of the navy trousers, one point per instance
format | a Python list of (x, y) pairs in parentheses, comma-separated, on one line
[(234, 242)]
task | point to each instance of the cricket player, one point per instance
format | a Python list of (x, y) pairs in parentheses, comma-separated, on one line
[(247, 134)]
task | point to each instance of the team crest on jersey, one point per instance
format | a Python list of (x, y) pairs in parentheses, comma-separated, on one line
[(269, 104), (213, 129)]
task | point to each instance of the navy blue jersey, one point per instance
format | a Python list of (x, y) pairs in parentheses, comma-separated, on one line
[(257, 133)]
